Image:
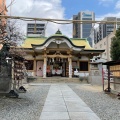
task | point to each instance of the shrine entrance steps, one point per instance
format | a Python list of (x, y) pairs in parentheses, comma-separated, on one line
[(58, 80)]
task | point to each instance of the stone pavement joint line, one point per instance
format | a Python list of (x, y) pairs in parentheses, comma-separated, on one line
[(62, 103)]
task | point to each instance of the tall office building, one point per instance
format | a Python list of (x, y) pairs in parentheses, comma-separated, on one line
[(108, 28), (104, 30), (83, 30), (35, 29)]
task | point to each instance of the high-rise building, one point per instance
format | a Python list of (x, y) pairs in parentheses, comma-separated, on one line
[(83, 30), (104, 30), (35, 29)]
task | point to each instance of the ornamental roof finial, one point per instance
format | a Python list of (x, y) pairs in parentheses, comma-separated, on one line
[(58, 32)]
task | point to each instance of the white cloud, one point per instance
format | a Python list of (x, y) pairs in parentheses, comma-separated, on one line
[(42, 9), (105, 2), (117, 6)]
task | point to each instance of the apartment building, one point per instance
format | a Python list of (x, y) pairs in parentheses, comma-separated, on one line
[(35, 29), (105, 44)]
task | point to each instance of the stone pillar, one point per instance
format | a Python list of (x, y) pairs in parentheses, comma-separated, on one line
[(70, 67), (35, 67), (44, 67)]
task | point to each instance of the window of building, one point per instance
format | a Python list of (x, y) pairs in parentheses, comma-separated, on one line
[(86, 18), (86, 34), (29, 65), (84, 66), (86, 25), (86, 30), (30, 29), (100, 45), (30, 25)]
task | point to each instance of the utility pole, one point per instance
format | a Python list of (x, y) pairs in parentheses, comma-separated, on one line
[(11, 8)]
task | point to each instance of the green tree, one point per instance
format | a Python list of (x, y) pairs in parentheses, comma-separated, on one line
[(115, 46)]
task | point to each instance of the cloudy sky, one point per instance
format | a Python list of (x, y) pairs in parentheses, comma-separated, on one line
[(63, 9)]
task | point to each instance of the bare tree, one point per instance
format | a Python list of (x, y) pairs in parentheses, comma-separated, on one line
[(15, 34), (10, 32)]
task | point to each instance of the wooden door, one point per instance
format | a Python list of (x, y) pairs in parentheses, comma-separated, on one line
[(40, 68)]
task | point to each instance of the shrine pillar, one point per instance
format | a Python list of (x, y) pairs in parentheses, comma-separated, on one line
[(44, 67), (70, 67), (35, 67)]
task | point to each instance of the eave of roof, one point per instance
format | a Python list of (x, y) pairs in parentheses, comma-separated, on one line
[(89, 50), (111, 63)]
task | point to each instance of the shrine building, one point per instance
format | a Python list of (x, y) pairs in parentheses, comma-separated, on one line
[(58, 55)]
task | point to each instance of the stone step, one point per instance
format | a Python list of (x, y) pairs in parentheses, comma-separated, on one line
[(58, 80)]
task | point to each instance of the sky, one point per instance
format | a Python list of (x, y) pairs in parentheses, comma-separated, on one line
[(100, 7), (62, 9)]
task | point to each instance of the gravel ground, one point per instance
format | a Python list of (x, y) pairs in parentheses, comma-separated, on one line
[(27, 107), (107, 107)]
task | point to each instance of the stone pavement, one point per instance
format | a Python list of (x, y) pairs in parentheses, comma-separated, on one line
[(62, 103)]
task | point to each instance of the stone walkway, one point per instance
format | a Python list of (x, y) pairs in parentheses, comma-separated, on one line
[(62, 103)]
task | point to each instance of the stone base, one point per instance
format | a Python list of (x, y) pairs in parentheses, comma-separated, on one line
[(95, 80)]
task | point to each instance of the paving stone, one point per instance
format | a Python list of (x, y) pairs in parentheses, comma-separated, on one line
[(54, 115), (55, 108), (65, 104), (54, 103), (78, 108), (76, 103), (83, 116)]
